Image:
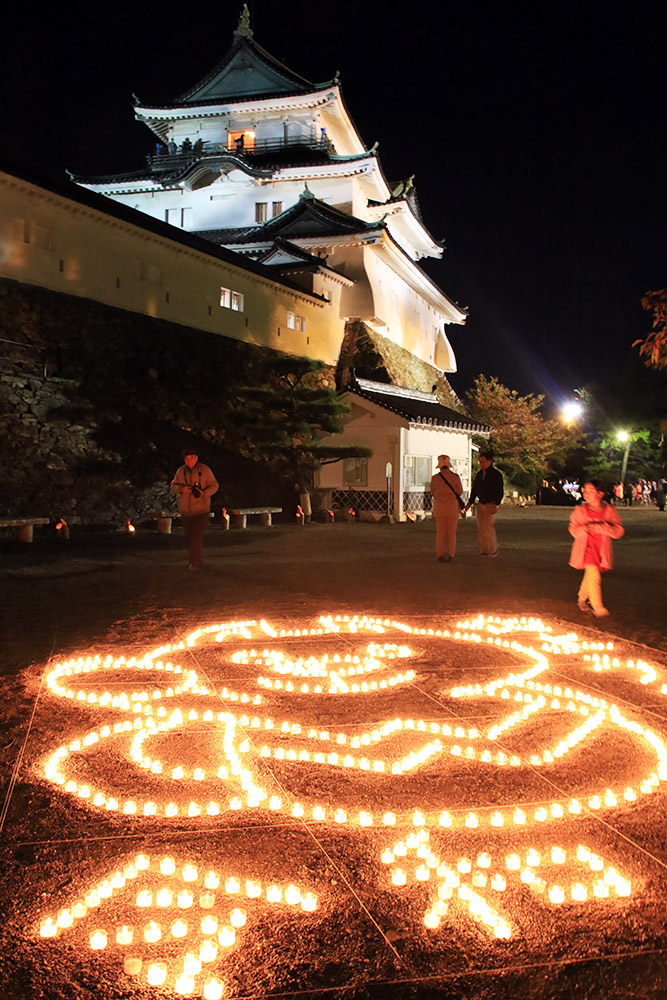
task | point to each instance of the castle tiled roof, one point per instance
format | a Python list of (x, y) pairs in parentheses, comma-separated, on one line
[(246, 71), (413, 405), (308, 218)]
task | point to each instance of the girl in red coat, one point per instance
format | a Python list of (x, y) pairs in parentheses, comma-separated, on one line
[(593, 524)]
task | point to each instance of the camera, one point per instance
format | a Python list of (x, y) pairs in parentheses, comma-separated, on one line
[(196, 490)]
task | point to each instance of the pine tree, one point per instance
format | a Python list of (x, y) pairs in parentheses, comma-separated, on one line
[(286, 415)]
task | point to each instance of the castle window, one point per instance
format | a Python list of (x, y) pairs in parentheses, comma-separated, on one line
[(417, 470), (42, 237), (154, 274), (20, 230), (261, 211), (231, 300), (355, 471), (241, 140), (296, 322)]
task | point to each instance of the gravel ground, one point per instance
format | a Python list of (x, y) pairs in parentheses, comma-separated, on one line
[(107, 593)]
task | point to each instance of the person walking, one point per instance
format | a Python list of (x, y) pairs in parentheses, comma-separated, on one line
[(194, 484), (593, 525), (446, 490), (488, 489)]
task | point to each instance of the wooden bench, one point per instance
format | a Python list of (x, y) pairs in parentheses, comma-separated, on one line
[(240, 515), (23, 526)]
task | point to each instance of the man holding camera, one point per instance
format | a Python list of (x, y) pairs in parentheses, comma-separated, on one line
[(195, 484)]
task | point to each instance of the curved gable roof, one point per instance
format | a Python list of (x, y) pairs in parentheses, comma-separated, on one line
[(247, 70)]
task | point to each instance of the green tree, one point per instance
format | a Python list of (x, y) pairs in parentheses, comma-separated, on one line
[(285, 416), (528, 447), (628, 414), (653, 348)]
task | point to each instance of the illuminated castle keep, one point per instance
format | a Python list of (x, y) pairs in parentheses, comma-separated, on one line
[(259, 160)]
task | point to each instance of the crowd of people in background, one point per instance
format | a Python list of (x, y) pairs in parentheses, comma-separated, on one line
[(644, 491)]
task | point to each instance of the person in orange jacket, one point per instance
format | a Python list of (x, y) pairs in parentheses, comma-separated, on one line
[(593, 525)]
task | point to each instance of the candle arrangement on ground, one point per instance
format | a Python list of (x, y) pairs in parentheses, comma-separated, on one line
[(337, 725)]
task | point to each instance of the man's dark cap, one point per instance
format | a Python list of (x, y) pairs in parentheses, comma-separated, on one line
[(190, 451)]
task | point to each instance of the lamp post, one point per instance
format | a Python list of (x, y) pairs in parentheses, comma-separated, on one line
[(624, 438), (571, 411)]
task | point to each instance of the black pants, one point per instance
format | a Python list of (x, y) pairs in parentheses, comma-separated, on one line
[(194, 526)]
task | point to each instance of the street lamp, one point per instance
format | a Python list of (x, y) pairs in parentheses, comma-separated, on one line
[(571, 411), (624, 438)]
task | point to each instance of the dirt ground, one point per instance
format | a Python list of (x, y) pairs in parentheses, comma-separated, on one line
[(112, 592)]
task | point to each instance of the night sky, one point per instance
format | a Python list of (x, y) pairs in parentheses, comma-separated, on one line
[(536, 132)]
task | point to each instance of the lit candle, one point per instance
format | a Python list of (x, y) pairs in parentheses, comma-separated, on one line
[(237, 917), (184, 899), (124, 935), (208, 951), (213, 989), (184, 985), (167, 866), (191, 964), (227, 937), (156, 974), (292, 895), (209, 924), (399, 877), (253, 889), (152, 932), (211, 880), (309, 902), (232, 885), (189, 873), (179, 928)]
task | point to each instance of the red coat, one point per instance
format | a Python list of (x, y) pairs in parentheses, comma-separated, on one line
[(610, 527)]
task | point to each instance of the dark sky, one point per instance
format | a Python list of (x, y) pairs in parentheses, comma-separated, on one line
[(536, 132)]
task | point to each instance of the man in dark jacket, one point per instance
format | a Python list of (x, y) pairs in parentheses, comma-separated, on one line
[(488, 490)]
